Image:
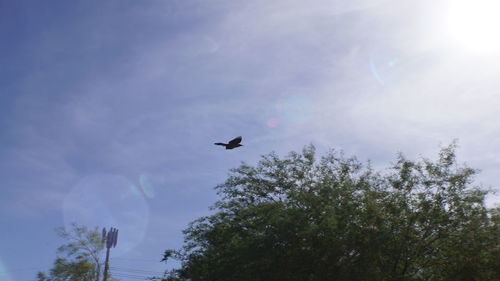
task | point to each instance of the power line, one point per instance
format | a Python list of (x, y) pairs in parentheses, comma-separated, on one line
[(137, 274), (117, 258), (133, 276), (135, 270)]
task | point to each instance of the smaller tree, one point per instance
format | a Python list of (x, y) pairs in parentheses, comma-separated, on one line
[(82, 255), (65, 269)]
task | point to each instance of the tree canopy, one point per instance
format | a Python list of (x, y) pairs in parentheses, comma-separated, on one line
[(81, 259), (335, 218)]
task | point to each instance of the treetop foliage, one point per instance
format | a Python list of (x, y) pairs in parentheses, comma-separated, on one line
[(83, 243), (335, 218)]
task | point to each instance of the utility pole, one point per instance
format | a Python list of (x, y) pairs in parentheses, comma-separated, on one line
[(111, 239)]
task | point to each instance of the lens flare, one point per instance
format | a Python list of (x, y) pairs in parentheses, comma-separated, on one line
[(297, 109), (147, 186), (134, 190), (4, 276), (272, 122), (109, 201), (383, 68)]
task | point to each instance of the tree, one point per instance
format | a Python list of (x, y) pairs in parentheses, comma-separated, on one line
[(83, 252), (70, 270), (300, 218)]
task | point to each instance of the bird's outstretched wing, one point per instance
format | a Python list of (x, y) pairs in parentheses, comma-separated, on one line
[(235, 141), (220, 143)]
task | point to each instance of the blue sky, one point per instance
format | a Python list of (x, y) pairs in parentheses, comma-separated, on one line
[(109, 109)]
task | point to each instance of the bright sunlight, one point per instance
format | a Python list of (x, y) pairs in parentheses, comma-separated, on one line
[(474, 25)]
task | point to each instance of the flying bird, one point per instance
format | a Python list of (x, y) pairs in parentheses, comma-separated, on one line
[(232, 143)]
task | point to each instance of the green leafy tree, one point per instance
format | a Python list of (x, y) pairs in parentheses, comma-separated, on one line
[(82, 253), (300, 218), (69, 270)]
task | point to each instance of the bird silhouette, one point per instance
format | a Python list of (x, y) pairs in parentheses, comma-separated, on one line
[(232, 143)]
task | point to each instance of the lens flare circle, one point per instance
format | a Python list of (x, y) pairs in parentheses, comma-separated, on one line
[(4, 275), (109, 201), (147, 186), (383, 67)]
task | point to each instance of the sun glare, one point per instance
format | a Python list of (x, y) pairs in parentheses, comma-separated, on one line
[(475, 24)]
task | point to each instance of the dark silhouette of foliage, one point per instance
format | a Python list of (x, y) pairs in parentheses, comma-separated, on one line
[(299, 218)]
